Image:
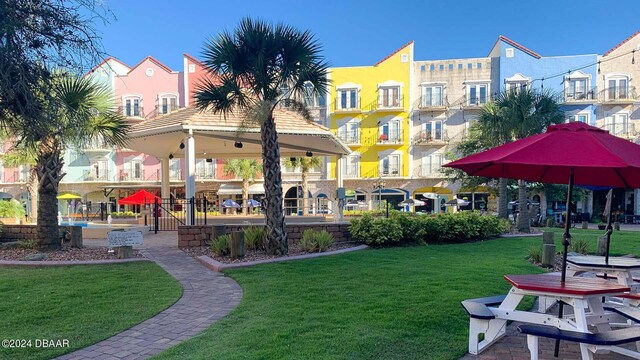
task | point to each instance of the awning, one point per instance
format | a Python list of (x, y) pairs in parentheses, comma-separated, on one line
[(232, 189)]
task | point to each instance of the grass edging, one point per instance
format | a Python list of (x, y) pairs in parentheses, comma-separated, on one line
[(219, 267), (69, 262)]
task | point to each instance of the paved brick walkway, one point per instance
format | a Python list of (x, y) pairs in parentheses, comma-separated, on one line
[(208, 296)]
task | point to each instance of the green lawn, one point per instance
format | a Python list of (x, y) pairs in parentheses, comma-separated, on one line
[(622, 242), (84, 304)]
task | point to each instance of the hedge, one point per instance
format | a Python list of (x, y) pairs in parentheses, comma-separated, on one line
[(410, 228)]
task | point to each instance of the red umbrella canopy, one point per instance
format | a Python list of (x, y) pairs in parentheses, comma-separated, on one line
[(596, 157), (139, 198)]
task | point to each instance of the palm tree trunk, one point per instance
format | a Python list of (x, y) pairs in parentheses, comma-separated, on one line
[(275, 232), (305, 193), (245, 195), (502, 199), (48, 168), (523, 213), (32, 187)]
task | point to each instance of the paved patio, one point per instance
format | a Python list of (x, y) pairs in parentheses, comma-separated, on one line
[(207, 297)]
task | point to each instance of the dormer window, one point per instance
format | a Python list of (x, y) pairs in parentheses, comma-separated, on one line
[(167, 103), (517, 82), (313, 99), (577, 86)]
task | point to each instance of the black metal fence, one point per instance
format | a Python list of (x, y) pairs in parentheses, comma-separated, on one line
[(168, 214)]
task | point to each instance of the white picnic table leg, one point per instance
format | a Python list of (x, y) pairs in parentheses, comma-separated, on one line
[(532, 344), (580, 307)]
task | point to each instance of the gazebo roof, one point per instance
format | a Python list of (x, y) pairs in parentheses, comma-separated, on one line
[(216, 134)]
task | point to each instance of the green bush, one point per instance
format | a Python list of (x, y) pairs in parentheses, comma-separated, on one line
[(406, 228), (11, 209), (220, 245), (254, 238), (316, 241), (580, 246), (122, 214), (28, 244), (535, 254)]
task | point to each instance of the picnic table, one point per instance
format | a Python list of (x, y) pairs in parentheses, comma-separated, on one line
[(584, 295)]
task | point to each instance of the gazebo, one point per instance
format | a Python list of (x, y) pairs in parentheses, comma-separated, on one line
[(190, 133)]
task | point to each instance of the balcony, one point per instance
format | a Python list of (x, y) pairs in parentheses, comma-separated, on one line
[(618, 95), (384, 139), (348, 107), (426, 138), (175, 175), (97, 147), (429, 104), (389, 104), (573, 97), (201, 175), (350, 138), (623, 130), (143, 175), (16, 177), (166, 109), (132, 112), (390, 172), (428, 172), (95, 176)]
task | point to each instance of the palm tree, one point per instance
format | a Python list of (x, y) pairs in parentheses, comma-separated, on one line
[(524, 113), (247, 170), (16, 157), (77, 112), (305, 164), (253, 65)]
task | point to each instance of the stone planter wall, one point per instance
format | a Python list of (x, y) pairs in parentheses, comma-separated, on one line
[(27, 232), (200, 235)]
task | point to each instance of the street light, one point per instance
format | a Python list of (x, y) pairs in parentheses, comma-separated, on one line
[(379, 185)]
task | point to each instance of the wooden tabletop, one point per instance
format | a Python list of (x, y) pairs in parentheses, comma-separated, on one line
[(572, 286), (599, 262)]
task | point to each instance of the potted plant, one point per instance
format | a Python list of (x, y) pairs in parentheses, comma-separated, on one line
[(601, 226)]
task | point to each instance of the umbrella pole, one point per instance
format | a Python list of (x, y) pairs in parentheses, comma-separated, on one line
[(566, 241), (609, 228)]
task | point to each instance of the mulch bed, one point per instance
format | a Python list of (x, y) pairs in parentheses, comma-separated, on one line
[(252, 255), (66, 254)]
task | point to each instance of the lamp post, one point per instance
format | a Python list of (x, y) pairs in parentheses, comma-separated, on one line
[(379, 184)]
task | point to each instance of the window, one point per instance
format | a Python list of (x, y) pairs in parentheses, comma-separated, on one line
[(423, 68), (351, 166), (348, 99), (469, 66), (479, 65), (459, 66), (312, 98), (167, 104), (390, 132), (389, 97), (577, 89), (133, 169), (390, 165), (618, 88), (516, 85), (132, 107), (432, 67), (432, 95), (477, 94), (441, 67), (205, 169), (450, 66), (583, 118), (433, 130), (617, 124), (174, 169), (432, 164), (349, 132), (284, 96), (99, 171)]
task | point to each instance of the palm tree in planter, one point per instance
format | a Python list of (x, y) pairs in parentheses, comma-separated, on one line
[(306, 164), (77, 112), (247, 170), (253, 65)]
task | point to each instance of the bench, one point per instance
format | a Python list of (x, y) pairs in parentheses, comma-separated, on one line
[(611, 277), (604, 340), (630, 313), (479, 319)]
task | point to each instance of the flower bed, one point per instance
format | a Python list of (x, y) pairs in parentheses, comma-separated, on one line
[(66, 254)]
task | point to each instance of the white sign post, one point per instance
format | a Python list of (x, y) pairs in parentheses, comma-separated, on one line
[(123, 241)]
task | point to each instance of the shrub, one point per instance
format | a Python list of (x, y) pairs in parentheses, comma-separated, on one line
[(324, 240), (254, 238), (122, 214), (580, 246), (316, 241), (11, 209), (28, 244), (412, 230), (535, 254), (220, 245)]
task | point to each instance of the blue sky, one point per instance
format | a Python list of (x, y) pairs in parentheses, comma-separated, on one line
[(361, 33)]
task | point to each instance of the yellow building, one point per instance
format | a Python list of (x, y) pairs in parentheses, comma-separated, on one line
[(369, 110)]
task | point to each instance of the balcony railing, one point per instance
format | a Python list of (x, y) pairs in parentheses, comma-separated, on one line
[(349, 107), (16, 177), (386, 104), (97, 145), (618, 94), (432, 103), (581, 96), (166, 109), (201, 175), (623, 130), (395, 139), (390, 172), (434, 138), (351, 172), (93, 176), (175, 175), (350, 138), (131, 111), (430, 172)]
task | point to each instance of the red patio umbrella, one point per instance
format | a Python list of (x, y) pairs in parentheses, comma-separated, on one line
[(573, 154), (139, 198)]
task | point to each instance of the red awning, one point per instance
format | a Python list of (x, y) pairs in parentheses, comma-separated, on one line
[(139, 198)]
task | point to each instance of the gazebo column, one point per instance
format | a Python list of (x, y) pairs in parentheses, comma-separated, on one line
[(165, 179), (190, 166), (339, 184)]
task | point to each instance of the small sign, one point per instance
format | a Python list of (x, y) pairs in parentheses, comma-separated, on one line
[(124, 238)]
